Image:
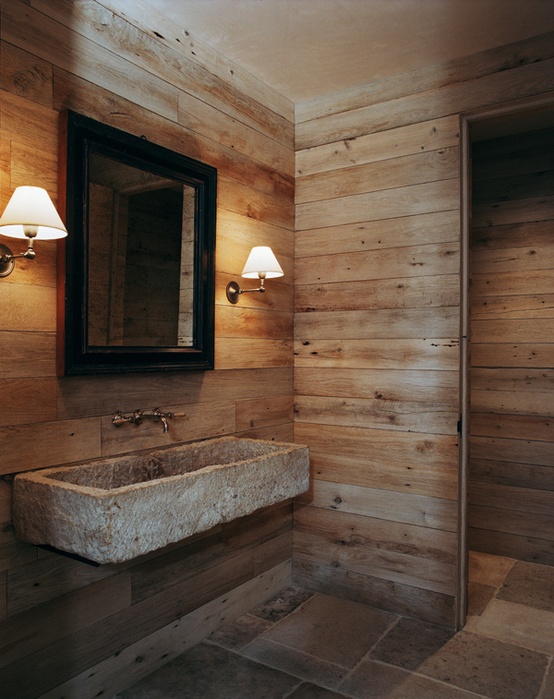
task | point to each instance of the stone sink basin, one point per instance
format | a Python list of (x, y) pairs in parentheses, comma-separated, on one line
[(115, 509)]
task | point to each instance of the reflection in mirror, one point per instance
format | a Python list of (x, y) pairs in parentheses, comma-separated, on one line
[(139, 267), (141, 257)]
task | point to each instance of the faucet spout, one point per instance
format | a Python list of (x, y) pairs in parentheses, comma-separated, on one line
[(137, 416)]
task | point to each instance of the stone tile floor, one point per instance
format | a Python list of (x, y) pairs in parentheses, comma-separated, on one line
[(304, 645)]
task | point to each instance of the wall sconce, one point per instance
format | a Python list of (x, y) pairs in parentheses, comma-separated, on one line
[(29, 214), (261, 264)]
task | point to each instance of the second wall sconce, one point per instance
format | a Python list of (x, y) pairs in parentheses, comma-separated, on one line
[(261, 264), (30, 214)]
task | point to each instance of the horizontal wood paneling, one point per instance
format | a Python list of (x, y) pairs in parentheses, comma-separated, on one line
[(377, 300), (77, 625), (512, 320)]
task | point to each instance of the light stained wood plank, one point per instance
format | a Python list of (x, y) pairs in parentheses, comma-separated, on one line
[(530, 427), (385, 174), (242, 322), (27, 399), (38, 359), (350, 529), (210, 122), (249, 353), (241, 198), (512, 283), (359, 295), (407, 140), (48, 39), (533, 403), (519, 330), (60, 442), (435, 513), (520, 211), (520, 381), (378, 354), (25, 75), (381, 324), (408, 416), (525, 524), (28, 307), (381, 384), (514, 450), (388, 263), (422, 229), (264, 412), (406, 462), (511, 235), (509, 498), (527, 306), (374, 206), (509, 473), (276, 433), (375, 562), (29, 123), (522, 259), (513, 354)]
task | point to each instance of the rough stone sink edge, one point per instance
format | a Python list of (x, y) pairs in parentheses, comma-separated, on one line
[(115, 525)]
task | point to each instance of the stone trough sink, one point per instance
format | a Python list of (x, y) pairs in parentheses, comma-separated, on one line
[(115, 509)]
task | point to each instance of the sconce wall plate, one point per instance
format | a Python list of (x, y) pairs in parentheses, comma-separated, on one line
[(7, 262)]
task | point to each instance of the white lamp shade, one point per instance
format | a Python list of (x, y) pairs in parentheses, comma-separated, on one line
[(262, 263), (31, 206)]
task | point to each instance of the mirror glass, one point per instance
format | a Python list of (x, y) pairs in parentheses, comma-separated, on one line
[(140, 255)]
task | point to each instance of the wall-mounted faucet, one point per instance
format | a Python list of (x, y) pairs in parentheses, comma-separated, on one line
[(137, 416)]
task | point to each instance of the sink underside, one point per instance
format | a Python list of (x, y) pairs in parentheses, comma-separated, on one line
[(116, 509)]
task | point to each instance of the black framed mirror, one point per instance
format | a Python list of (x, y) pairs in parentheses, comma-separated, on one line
[(138, 276)]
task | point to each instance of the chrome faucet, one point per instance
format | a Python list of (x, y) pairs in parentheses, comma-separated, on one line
[(137, 416)]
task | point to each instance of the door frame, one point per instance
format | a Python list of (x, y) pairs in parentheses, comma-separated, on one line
[(522, 115)]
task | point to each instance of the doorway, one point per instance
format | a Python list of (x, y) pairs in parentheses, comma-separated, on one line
[(506, 442)]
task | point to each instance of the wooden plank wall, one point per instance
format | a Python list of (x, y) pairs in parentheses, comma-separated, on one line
[(63, 624), (512, 368), (377, 325)]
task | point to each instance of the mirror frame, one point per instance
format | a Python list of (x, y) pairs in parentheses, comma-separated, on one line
[(80, 135)]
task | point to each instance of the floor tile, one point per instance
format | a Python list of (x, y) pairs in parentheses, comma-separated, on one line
[(516, 624), (333, 629), (296, 663), (312, 691), (547, 691), (372, 680), (530, 584), (487, 666), (479, 596), (282, 605), (410, 643), (210, 672), (489, 570), (237, 634)]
